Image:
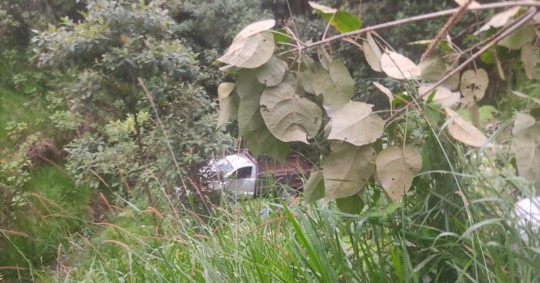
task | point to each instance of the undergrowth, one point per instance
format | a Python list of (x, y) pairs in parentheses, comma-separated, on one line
[(262, 240)]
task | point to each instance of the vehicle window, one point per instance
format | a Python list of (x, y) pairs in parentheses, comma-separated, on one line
[(224, 167), (244, 172)]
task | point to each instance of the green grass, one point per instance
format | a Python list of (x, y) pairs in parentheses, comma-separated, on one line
[(299, 243), (42, 207), (19, 111), (49, 211)]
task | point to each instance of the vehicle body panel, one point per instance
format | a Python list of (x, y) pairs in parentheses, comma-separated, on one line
[(240, 175)]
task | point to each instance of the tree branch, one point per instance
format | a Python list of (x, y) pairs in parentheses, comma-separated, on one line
[(438, 14), (496, 38)]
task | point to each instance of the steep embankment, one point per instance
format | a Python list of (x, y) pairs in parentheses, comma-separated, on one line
[(40, 205)]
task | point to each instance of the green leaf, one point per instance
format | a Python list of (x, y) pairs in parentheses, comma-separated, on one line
[(396, 168), (350, 205), (250, 52), (228, 104), (347, 169), (261, 141), (248, 114), (272, 72), (280, 36), (517, 39), (288, 116), (247, 84), (342, 21), (306, 81), (336, 85), (249, 90), (391, 208), (314, 188), (355, 124)]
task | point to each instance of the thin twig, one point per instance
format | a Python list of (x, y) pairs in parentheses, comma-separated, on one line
[(446, 27), (438, 14), (498, 37)]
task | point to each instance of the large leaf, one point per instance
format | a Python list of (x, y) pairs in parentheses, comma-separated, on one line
[(255, 28), (396, 168), (248, 115), (272, 72), (306, 81), (398, 66), (372, 53), (499, 20), (250, 52), (288, 116), (442, 96), (434, 68), (350, 205), (517, 39), (464, 131), (228, 104), (347, 169), (314, 188), (247, 85), (336, 85), (342, 21), (355, 123), (249, 90), (526, 147), (474, 84), (261, 141)]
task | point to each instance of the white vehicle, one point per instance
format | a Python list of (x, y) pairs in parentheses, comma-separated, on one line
[(241, 175)]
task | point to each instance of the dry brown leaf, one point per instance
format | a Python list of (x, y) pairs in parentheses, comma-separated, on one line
[(464, 131), (396, 168), (398, 66), (372, 53), (443, 96)]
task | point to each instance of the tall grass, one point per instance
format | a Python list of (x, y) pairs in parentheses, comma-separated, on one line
[(50, 209), (455, 226), (305, 243)]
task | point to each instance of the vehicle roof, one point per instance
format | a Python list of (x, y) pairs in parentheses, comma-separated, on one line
[(239, 160)]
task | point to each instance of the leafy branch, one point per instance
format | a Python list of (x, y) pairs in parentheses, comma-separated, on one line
[(490, 42), (428, 16), (277, 99)]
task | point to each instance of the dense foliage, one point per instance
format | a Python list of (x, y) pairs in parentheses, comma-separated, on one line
[(107, 107)]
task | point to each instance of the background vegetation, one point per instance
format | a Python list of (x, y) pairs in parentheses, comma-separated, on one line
[(107, 105)]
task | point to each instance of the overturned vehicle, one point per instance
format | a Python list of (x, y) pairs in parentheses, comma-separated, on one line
[(242, 176)]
